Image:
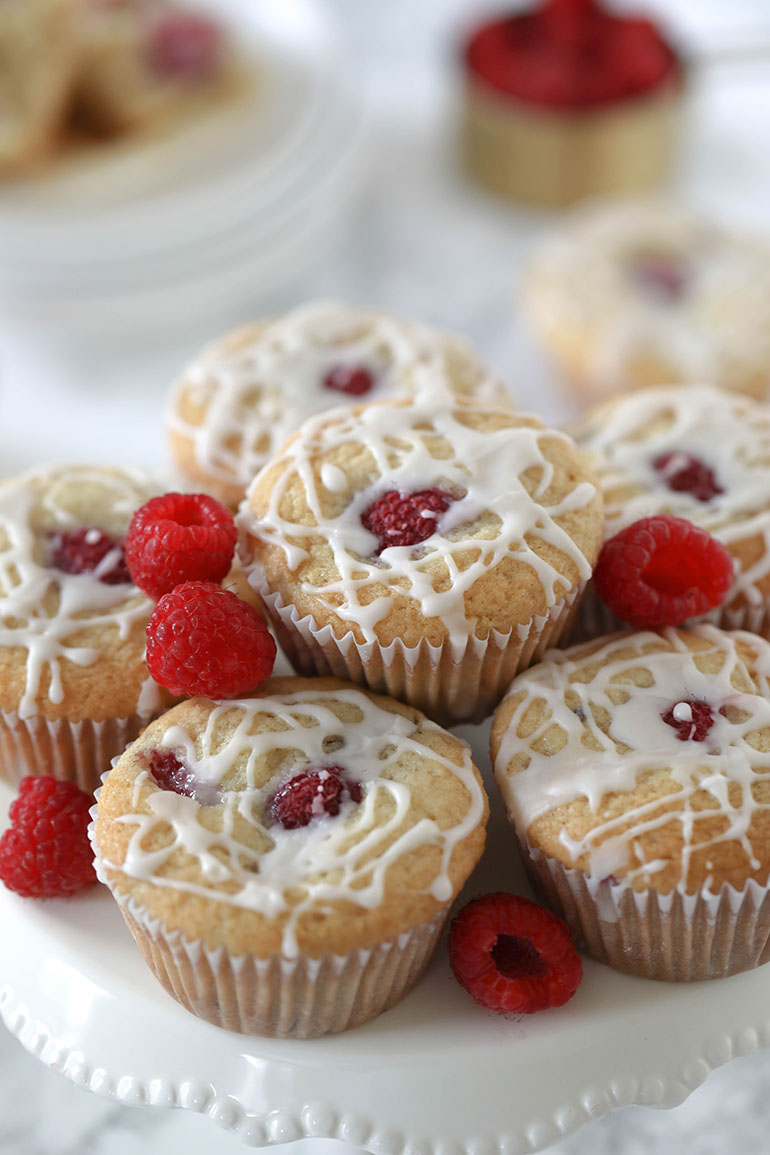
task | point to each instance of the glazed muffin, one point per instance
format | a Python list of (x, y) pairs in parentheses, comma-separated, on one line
[(566, 101), (38, 62), (426, 548), (74, 687), (694, 452), (636, 773), (632, 295), (286, 862), (238, 402), (143, 62)]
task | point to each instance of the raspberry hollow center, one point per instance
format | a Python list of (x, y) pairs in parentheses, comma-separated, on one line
[(405, 518), (671, 570), (692, 718), (517, 958), (353, 380), (684, 473)]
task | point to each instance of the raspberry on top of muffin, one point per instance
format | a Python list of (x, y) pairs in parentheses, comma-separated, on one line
[(244, 395), (409, 534)]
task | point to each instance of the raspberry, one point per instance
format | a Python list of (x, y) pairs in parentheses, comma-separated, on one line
[(179, 537), (183, 46), (202, 639), (349, 379), (84, 551), (405, 518), (45, 853), (512, 955), (684, 473), (660, 276), (692, 718), (312, 794), (170, 773), (662, 570)]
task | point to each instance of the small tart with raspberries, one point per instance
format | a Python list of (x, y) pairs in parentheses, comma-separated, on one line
[(694, 452), (635, 771), (243, 396), (425, 548), (286, 862), (74, 684)]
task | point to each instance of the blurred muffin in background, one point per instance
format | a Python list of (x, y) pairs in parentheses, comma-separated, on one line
[(567, 100), (628, 295), (88, 69), (240, 399)]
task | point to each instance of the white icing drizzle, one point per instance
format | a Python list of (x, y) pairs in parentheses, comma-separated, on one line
[(729, 434), (257, 396), (345, 857), (723, 760), (582, 282), (483, 467), (81, 600)]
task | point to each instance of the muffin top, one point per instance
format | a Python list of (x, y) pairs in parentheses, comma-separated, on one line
[(314, 817), (644, 757), (694, 452), (243, 396), (422, 519), (71, 621), (640, 287)]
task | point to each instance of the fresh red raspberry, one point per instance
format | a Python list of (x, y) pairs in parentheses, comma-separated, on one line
[(405, 518), (183, 46), (202, 639), (179, 537), (512, 955), (350, 379), (84, 551), (311, 794), (694, 721), (662, 570), (684, 473), (170, 773), (45, 852), (660, 276)]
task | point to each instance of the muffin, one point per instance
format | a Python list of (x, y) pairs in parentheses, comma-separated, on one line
[(424, 548), (631, 295), (143, 62), (74, 687), (286, 862), (565, 101), (635, 771), (694, 452), (244, 395), (38, 62)]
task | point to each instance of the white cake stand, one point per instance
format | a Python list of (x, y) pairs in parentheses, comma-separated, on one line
[(437, 1074)]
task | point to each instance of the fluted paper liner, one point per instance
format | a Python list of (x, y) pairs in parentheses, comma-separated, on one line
[(280, 997), (447, 684), (74, 751), (594, 619), (675, 937)]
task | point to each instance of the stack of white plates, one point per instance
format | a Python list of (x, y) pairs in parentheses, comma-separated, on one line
[(224, 210)]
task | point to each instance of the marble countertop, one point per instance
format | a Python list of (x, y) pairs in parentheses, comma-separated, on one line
[(427, 244)]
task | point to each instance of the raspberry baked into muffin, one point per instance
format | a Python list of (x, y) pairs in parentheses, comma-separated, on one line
[(286, 862), (698, 453), (625, 296), (244, 395), (74, 686), (636, 773), (427, 549), (566, 100)]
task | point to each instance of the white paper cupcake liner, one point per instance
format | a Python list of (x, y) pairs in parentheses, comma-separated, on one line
[(448, 683), (674, 937), (280, 997), (73, 751), (594, 620)]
